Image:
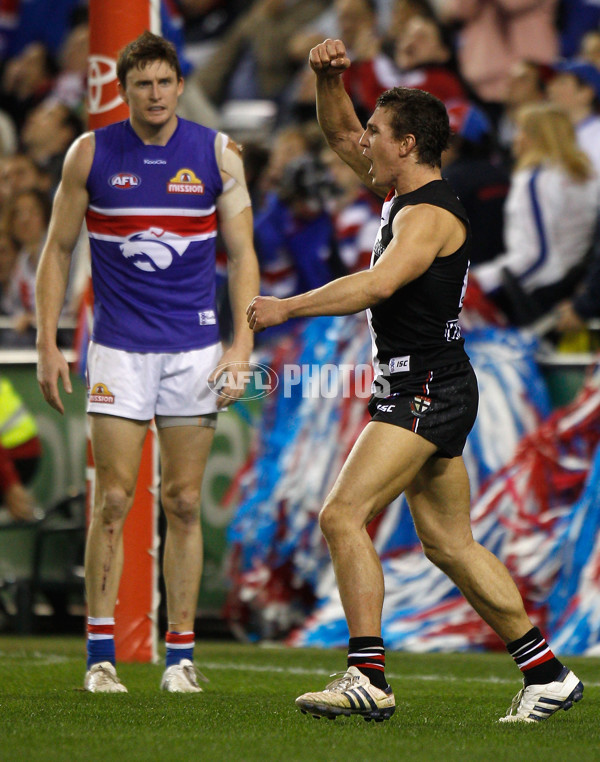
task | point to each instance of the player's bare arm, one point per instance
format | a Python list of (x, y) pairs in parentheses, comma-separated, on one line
[(421, 233), (335, 112), (70, 204), (235, 221)]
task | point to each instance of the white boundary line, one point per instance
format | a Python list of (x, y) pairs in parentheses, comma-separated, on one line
[(42, 660)]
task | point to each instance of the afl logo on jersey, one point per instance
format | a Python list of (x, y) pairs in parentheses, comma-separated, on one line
[(125, 181), (185, 181)]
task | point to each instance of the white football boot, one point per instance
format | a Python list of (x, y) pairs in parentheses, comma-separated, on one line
[(535, 703), (182, 678), (350, 694), (102, 678)]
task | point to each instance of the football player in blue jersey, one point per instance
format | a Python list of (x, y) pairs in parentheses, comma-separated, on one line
[(153, 189)]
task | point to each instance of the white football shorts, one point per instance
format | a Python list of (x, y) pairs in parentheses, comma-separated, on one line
[(140, 385)]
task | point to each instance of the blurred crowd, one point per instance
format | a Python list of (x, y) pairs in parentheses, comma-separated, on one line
[(520, 80)]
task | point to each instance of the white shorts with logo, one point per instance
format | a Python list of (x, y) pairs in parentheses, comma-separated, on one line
[(140, 385)]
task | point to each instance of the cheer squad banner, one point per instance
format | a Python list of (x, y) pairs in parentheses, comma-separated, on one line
[(535, 479)]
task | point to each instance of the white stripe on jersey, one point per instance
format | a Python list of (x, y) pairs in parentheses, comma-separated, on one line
[(163, 238), (151, 211), (385, 216)]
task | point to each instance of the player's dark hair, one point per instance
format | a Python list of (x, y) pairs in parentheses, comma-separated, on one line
[(143, 50), (421, 114)]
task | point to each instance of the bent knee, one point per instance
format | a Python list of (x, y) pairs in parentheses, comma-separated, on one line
[(443, 554), (337, 517), (182, 508)]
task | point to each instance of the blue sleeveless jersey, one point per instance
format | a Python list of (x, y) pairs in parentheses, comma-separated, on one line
[(152, 224)]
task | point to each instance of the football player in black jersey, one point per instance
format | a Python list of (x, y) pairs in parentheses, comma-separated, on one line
[(423, 412)]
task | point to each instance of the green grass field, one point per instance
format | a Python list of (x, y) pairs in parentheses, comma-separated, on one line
[(447, 710)]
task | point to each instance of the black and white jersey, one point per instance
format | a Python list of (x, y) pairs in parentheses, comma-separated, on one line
[(416, 328)]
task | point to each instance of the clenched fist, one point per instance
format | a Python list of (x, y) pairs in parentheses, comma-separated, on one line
[(265, 311), (329, 58)]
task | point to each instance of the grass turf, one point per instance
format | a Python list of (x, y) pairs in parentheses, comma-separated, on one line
[(447, 710)]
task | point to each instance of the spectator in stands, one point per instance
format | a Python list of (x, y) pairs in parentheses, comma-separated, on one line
[(45, 21), (70, 84), (8, 259), (589, 49), (18, 173), (20, 453), (294, 233), (251, 60), (525, 85), (47, 133), (401, 12), (550, 218), (576, 89), (288, 143), (572, 314), (425, 58), (480, 183), (356, 214), (27, 79), (26, 219), (356, 22), (494, 35), (576, 17)]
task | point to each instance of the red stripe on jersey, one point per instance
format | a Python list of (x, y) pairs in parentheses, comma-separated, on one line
[(101, 629), (126, 225)]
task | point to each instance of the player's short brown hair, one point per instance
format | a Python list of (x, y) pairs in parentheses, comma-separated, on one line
[(143, 50), (421, 114)]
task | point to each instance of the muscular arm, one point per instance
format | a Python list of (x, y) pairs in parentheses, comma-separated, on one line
[(69, 208), (242, 270), (235, 223), (421, 233), (335, 112)]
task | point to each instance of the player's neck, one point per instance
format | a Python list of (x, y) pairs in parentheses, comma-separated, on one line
[(155, 135), (416, 177)]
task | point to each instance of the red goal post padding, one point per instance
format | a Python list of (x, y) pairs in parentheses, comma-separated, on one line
[(114, 23)]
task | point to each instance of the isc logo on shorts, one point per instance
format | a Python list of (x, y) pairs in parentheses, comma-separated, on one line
[(400, 364), (125, 181)]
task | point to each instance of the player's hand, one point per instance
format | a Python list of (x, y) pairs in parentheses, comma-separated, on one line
[(329, 58), (230, 377), (266, 311), (52, 366), (19, 502), (567, 318)]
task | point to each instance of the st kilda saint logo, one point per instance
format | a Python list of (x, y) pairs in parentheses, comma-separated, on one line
[(419, 405)]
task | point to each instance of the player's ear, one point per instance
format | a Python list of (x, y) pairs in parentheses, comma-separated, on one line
[(407, 143)]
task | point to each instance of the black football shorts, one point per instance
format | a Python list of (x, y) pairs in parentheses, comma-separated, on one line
[(439, 405)]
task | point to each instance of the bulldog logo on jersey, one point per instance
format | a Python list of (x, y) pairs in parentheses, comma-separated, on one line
[(101, 393), (149, 253), (185, 181), (419, 406)]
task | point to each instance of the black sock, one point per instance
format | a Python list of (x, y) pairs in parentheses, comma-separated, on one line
[(368, 655), (534, 658)]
